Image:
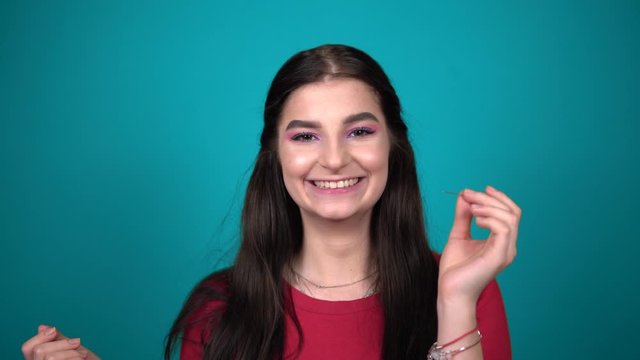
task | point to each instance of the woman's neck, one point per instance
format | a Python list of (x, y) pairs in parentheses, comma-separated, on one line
[(335, 253)]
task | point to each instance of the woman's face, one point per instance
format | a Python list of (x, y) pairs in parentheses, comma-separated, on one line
[(333, 146)]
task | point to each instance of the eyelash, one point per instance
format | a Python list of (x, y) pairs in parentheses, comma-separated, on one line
[(363, 131), (357, 132), (303, 137)]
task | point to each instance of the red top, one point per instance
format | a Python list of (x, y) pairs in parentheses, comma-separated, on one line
[(354, 329)]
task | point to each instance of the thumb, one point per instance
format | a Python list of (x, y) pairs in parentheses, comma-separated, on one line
[(42, 328), (61, 336), (462, 219)]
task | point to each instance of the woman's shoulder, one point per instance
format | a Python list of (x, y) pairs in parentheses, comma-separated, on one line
[(436, 256), (205, 305), (210, 293), (217, 283)]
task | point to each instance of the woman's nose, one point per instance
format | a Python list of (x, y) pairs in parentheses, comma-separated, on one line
[(335, 155)]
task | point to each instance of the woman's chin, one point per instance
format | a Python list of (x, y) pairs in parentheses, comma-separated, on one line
[(338, 215)]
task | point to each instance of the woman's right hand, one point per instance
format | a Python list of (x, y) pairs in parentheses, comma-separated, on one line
[(49, 343)]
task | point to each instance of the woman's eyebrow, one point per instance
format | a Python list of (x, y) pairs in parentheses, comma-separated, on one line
[(359, 117), (303, 124), (316, 124)]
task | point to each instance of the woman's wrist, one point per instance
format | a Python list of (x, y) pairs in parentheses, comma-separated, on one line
[(456, 302), (456, 317), (460, 316)]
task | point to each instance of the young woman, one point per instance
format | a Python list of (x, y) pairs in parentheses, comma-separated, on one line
[(334, 261)]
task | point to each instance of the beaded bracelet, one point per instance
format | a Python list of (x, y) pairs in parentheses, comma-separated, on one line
[(437, 352)]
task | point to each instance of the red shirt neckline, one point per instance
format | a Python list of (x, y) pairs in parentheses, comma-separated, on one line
[(307, 303)]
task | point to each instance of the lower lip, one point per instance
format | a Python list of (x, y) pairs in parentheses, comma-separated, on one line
[(336, 191)]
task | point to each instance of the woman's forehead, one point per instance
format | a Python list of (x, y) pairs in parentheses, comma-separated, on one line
[(331, 100)]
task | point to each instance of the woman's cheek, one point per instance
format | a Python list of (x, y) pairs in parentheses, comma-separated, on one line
[(296, 162), (375, 158), (299, 163)]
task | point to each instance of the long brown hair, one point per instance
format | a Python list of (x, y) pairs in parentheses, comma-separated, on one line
[(251, 324)]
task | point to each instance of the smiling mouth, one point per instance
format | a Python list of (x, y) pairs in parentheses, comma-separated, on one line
[(340, 184)]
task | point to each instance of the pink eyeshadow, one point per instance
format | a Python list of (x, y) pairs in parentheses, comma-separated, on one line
[(291, 133)]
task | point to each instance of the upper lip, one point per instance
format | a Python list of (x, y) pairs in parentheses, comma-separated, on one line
[(338, 179)]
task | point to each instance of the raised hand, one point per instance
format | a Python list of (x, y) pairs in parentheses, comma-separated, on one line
[(468, 265), (49, 343)]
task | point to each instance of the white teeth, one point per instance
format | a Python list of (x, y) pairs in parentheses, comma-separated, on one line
[(335, 184)]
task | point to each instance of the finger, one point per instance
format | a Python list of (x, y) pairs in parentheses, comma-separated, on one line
[(478, 197), (502, 239), (505, 216), (45, 350), (90, 354), (81, 348), (69, 355), (462, 219), (497, 226), (45, 334), (60, 336), (43, 327), (505, 199)]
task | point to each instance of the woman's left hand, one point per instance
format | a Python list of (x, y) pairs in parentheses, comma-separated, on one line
[(49, 343), (467, 265)]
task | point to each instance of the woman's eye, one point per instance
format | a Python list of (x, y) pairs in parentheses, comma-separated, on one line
[(303, 137), (360, 132)]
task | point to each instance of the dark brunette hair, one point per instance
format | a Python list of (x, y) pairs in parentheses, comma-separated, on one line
[(251, 324)]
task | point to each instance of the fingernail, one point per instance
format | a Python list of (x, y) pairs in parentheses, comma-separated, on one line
[(50, 331), (75, 341), (489, 187)]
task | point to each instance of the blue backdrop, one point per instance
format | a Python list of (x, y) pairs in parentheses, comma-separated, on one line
[(127, 130)]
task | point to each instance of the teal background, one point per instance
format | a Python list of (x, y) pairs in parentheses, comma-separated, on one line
[(128, 130)]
